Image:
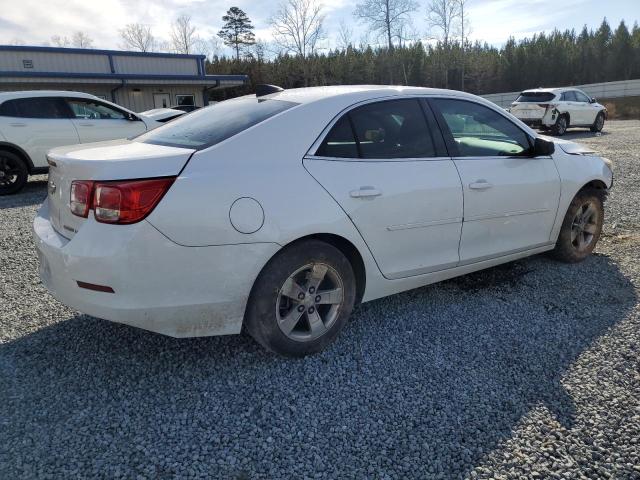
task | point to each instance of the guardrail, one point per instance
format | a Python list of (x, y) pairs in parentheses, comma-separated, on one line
[(625, 88)]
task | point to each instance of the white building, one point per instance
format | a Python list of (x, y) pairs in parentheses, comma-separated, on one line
[(136, 80)]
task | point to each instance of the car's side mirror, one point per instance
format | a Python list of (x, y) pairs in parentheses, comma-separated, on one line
[(132, 118), (592, 100), (543, 148)]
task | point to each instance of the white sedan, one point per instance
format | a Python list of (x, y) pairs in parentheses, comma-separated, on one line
[(281, 211), (33, 122)]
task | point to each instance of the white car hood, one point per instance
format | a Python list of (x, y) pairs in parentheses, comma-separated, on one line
[(161, 113), (572, 148)]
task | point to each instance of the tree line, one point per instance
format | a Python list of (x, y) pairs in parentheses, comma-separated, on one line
[(299, 52), (558, 58)]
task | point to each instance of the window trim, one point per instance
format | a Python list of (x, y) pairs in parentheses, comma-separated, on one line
[(441, 148), (448, 136)]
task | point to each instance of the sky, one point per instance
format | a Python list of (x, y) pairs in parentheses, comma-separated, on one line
[(34, 22)]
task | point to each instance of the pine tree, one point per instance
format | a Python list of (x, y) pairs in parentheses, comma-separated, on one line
[(237, 31)]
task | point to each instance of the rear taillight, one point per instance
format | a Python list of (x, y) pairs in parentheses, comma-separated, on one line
[(80, 201), (126, 201)]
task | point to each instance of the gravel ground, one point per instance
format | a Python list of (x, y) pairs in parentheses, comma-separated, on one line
[(529, 370)]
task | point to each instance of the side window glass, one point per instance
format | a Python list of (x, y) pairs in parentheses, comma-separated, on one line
[(340, 141), (570, 96), (392, 129), (8, 109), (38, 107), (581, 97), (479, 131), (92, 110)]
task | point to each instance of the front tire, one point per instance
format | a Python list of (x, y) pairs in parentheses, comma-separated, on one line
[(560, 127), (13, 173), (302, 299), (581, 227), (598, 123)]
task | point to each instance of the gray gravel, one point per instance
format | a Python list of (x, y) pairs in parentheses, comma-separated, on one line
[(528, 370)]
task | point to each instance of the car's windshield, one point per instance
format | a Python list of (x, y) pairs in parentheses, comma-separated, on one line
[(208, 126), (535, 97)]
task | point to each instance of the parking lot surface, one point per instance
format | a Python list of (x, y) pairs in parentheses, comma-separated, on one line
[(531, 369)]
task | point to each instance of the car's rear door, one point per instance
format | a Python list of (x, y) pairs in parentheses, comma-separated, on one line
[(36, 125), (510, 198), (385, 163), (97, 121)]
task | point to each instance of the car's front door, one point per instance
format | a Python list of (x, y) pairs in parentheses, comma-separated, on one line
[(36, 125), (97, 121), (385, 163), (587, 110), (510, 198)]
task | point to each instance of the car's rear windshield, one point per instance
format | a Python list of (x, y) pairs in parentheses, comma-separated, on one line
[(535, 97), (207, 126)]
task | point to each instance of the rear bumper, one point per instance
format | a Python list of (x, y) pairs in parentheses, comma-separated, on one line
[(531, 123), (157, 285)]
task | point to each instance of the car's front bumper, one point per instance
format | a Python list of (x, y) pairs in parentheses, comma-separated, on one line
[(157, 285)]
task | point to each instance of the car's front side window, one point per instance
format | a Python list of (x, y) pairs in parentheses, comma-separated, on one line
[(479, 131), (581, 97), (91, 110), (570, 96)]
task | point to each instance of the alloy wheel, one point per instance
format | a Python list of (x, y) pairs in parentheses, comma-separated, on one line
[(9, 172), (562, 125), (599, 122), (584, 226), (309, 302)]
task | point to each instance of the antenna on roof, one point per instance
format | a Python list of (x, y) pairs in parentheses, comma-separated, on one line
[(262, 90)]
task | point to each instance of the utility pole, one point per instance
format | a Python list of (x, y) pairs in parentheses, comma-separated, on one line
[(462, 5)]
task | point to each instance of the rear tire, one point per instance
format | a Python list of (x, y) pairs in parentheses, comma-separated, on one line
[(302, 299), (598, 123), (560, 127), (581, 227), (13, 173)]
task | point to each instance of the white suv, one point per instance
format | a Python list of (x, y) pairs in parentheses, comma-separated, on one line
[(32, 123), (558, 109)]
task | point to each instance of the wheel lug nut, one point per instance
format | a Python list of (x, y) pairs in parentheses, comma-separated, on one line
[(318, 298), (312, 289), (301, 308), (311, 309), (301, 296)]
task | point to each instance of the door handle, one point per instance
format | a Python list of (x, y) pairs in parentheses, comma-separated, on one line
[(18, 124), (480, 185), (363, 192), (86, 124)]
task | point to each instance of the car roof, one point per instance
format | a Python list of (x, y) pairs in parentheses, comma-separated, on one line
[(43, 93), (550, 90), (358, 92)]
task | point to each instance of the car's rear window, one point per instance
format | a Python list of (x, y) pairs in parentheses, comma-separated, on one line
[(208, 126), (535, 97)]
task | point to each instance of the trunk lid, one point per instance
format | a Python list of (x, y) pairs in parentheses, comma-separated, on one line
[(529, 111), (103, 161)]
